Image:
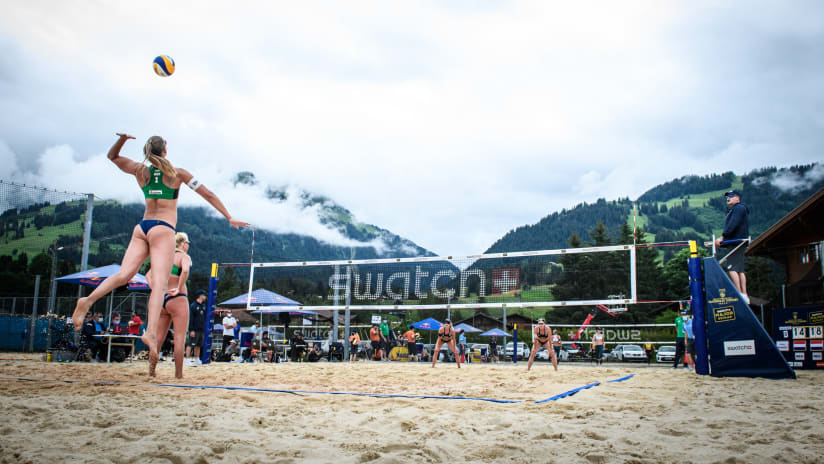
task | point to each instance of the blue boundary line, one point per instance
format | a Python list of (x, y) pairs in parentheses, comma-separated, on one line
[(313, 392), (568, 393), (622, 378)]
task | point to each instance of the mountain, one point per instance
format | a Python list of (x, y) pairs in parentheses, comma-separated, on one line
[(688, 208), (30, 229)]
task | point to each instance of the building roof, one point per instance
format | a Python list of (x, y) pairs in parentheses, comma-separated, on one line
[(802, 225)]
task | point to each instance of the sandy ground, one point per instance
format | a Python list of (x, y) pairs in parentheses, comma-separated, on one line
[(659, 415)]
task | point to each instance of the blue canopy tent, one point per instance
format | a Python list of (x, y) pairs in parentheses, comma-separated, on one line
[(96, 276), (495, 333), (266, 302), (466, 328), (260, 297), (427, 324)]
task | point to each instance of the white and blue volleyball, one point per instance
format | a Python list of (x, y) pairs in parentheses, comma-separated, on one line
[(164, 66)]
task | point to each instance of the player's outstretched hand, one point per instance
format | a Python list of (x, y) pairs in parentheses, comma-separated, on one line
[(124, 136), (237, 224)]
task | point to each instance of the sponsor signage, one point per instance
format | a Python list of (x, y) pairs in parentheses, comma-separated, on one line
[(376, 319), (799, 356), (739, 348), (724, 314), (801, 329)]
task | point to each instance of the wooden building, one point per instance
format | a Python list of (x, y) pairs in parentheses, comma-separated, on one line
[(796, 242)]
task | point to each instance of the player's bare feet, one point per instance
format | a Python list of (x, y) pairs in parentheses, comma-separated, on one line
[(149, 340), (152, 364), (80, 311)]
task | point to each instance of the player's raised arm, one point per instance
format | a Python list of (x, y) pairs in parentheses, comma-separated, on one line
[(125, 164), (209, 196)]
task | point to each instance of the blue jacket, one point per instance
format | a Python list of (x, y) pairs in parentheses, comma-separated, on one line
[(737, 224)]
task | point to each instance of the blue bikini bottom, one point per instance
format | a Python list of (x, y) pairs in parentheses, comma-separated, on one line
[(147, 224), (167, 298)]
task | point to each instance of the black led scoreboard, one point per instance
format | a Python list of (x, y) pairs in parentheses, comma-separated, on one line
[(799, 335)]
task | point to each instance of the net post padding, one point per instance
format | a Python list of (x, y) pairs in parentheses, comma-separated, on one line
[(449, 281)]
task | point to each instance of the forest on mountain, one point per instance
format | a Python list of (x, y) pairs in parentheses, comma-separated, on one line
[(687, 208)]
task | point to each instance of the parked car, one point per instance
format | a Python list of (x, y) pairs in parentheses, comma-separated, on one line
[(665, 354), (627, 353), (542, 354), (523, 350), (568, 353)]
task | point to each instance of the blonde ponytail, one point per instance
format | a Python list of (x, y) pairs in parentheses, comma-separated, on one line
[(153, 150)]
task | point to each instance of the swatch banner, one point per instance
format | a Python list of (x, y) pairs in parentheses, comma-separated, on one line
[(799, 334)]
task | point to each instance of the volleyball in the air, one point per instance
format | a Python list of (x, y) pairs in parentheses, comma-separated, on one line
[(164, 66)]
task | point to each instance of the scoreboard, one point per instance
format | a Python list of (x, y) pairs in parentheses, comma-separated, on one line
[(799, 335)]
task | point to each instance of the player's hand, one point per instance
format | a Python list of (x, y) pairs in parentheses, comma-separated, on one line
[(237, 224), (173, 291), (192, 334), (124, 136), (718, 241)]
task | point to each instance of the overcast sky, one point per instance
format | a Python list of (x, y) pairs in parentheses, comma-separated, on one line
[(448, 123)]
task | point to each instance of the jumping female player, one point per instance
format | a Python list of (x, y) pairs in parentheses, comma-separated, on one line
[(446, 334), (175, 303), (542, 335), (153, 237)]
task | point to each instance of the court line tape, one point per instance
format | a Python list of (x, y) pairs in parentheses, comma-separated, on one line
[(568, 393), (576, 390), (313, 392)]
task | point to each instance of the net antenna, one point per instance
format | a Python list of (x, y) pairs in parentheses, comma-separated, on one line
[(497, 280)]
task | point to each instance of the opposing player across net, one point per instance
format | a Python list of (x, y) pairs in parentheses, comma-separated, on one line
[(514, 280)]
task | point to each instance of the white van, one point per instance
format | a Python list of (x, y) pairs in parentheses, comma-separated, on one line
[(523, 350)]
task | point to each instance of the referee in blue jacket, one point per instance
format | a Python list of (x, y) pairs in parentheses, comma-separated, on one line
[(736, 226)]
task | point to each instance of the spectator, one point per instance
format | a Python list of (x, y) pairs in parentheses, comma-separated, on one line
[(493, 349), (425, 355), (648, 348), (354, 342), (87, 339), (598, 346), (232, 351), (384, 333), (314, 354), (462, 345), (99, 329), (267, 346), (680, 342), (736, 226), (197, 326), (297, 347), (115, 328), (690, 339), (229, 323), (411, 344), (134, 324), (375, 340)]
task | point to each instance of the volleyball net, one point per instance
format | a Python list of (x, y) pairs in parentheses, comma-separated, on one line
[(544, 278)]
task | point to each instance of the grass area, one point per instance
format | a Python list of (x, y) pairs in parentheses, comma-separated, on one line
[(700, 199), (36, 241)]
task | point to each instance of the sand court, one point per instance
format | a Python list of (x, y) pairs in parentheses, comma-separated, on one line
[(115, 413)]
